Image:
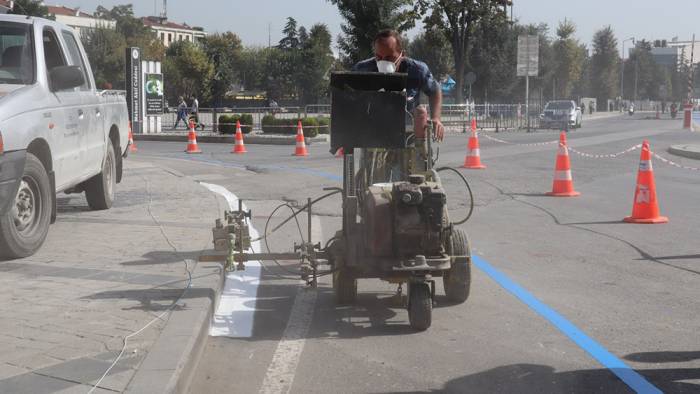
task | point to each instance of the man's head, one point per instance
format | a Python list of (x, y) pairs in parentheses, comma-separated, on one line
[(387, 48)]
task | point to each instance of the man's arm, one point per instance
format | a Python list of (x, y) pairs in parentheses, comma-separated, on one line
[(436, 113)]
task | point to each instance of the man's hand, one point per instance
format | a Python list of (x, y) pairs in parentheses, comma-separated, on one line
[(438, 129)]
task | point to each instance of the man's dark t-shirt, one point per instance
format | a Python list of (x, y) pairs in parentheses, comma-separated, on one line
[(419, 78)]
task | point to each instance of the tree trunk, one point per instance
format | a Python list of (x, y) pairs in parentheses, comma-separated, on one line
[(459, 79)]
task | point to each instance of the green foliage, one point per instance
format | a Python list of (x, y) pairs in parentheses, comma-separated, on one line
[(324, 123), (273, 125), (605, 69), (364, 19), (291, 37), (224, 54), (568, 59), (227, 123), (30, 8), (432, 48), (105, 47), (188, 70), (458, 20)]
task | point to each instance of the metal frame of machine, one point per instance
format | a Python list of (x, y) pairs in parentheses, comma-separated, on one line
[(398, 231)]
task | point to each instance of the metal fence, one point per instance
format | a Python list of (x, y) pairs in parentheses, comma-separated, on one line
[(455, 116)]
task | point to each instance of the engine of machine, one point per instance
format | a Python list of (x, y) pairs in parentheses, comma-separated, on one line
[(407, 219)]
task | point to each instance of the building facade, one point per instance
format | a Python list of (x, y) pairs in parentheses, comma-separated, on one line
[(81, 22), (170, 32)]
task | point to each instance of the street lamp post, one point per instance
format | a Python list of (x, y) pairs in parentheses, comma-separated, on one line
[(622, 72)]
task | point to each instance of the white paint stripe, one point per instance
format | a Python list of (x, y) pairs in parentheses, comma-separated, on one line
[(474, 152), (564, 175), (280, 374), (236, 310)]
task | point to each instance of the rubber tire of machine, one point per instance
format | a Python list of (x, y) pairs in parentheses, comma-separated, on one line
[(98, 191), (420, 306), (12, 243), (345, 287), (457, 281)]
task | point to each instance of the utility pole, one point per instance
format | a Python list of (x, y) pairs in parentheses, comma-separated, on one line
[(622, 72)]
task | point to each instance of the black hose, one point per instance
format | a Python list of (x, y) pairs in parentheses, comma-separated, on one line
[(469, 189)]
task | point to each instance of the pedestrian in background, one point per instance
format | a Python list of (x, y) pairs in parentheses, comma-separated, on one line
[(181, 113), (194, 117)]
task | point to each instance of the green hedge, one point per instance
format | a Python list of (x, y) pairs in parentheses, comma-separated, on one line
[(227, 123), (273, 125)]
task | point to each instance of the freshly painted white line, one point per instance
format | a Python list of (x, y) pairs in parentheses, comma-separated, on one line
[(236, 310)]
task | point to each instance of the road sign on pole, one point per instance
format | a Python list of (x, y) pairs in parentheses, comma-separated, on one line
[(528, 65)]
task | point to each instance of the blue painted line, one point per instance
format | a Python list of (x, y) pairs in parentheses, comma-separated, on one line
[(633, 379)]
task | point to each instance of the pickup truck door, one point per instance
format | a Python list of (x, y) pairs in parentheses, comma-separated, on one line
[(66, 117), (92, 132)]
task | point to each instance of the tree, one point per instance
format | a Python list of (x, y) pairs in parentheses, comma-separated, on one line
[(568, 57), (604, 66), (188, 70), (134, 31), (30, 8), (224, 53), (312, 76), (364, 19), (432, 48), (291, 37), (105, 49), (457, 19)]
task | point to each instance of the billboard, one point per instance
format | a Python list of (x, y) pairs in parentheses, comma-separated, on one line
[(153, 92)]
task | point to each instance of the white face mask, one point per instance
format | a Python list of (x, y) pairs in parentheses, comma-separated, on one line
[(386, 66)]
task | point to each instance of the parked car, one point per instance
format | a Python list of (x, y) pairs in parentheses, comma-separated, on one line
[(57, 132), (561, 114)]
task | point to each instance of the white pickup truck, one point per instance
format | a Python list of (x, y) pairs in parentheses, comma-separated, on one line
[(57, 132)]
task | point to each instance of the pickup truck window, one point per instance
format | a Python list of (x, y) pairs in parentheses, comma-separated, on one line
[(17, 64), (52, 50), (75, 58)]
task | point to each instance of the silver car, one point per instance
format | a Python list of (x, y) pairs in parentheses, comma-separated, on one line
[(561, 114)]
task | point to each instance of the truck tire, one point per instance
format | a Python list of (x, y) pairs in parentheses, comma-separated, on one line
[(24, 227), (99, 190), (420, 306), (345, 287), (457, 281)]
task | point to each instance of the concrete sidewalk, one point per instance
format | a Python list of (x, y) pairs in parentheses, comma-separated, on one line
[(103, 276), (690, 151), (208, 137)]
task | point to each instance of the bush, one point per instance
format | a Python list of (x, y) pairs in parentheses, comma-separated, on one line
[(325, 125), (272, 125), (227, 123)]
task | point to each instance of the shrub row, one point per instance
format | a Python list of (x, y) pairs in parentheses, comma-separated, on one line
[(227, 123), (273, 125)]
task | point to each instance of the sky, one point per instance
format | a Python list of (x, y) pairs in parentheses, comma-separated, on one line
[(648, 19)]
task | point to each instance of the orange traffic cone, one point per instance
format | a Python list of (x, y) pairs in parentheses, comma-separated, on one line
[(473, 124), (645, 208), (473, 159), (563, 185), (239, 147), (301, 145), (192, 146), (132, 144), (340, 153)]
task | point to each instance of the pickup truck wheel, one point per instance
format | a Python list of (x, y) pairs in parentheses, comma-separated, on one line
[(99, 190), (24, 227)]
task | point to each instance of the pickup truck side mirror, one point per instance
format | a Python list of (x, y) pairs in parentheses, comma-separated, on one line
[(66, 77)]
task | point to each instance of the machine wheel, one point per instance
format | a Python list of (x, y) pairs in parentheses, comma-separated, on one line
[(420, 306), (99, 190), (457, 281), (24, 227), (345, 287)]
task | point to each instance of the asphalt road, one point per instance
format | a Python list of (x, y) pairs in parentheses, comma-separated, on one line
[(631, 289)]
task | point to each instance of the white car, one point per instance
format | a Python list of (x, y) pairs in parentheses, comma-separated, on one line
[(57, 132), (561, 113)]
